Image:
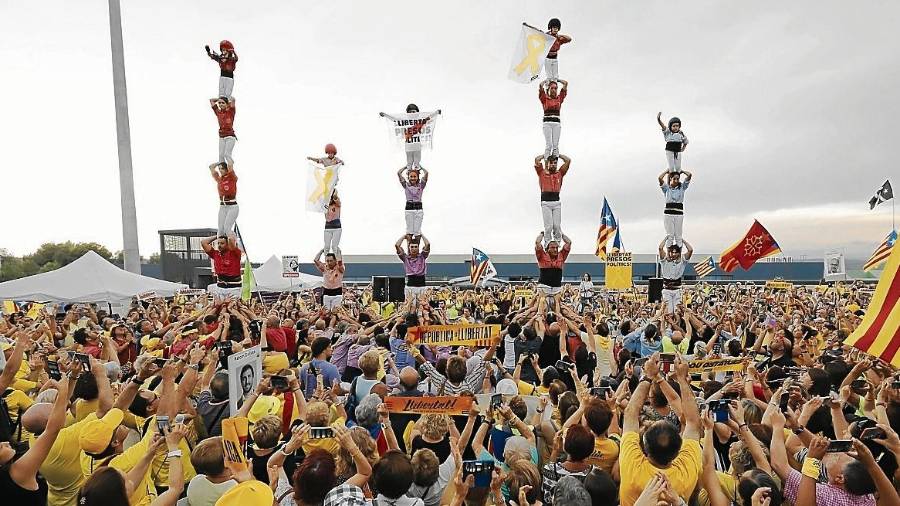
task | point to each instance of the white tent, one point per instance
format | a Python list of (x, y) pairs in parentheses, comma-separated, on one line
[(269, 278), (89, 279)]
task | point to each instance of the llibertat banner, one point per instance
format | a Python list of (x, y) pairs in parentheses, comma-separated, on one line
[(443, 405), (413, 131), (618, 270), (455, 335)]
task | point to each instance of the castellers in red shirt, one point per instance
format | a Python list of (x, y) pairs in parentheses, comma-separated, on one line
[(224, 110), (226, 58), (226, 256), (226, 181)]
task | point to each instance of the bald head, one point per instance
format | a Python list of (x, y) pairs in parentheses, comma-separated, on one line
[(320, 324), (380, 389), (553, 329), (35, 418), (677, 336), (409, 378)]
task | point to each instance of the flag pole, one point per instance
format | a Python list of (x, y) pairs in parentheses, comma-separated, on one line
[(243, 246)]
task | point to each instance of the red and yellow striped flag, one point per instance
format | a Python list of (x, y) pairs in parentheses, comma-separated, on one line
[(879, 332)]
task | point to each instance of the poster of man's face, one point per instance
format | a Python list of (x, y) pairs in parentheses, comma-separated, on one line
[(248, 379), (834, 265)]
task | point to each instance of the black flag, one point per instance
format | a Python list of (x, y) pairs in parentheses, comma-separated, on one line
[(884, 193)]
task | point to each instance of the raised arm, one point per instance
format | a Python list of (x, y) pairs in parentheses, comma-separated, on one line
[(688, 402), (565, 166), (424, 175), (631, 422), (206, 244), (662, 177), (317, 260), (24, 470), (400, 176), (659, 120), (688, 250), (426, 246), (662, 252), (399, 246)]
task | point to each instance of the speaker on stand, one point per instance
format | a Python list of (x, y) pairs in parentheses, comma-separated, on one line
[(654, 290)]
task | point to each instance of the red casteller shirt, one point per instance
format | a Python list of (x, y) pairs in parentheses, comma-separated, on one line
[(226, 120), (545, 262), (226, 263), (549, 182), (277, 339), (556, 45), (552, 105), (227, 186), (228, 63)]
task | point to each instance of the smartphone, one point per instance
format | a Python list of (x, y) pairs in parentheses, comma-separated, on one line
[(783, 402), (179, 418), (859, 385), (640, 362), (321, 432), (601, 392), (84, 359), (162, 422), (563, 366), (53, 370), (719, 409), (895, 384), (872, 433), (482, 469), (840, 446), (496, 401), (279, 382), (667, 358)]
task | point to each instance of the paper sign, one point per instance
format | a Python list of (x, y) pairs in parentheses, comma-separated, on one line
[(34, 311), (290, 266), (244, 373), (455, 335), (618, 270), (446, 405), (149, 295), (9, 307)]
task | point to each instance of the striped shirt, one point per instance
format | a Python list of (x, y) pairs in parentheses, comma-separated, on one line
[(552, 473)]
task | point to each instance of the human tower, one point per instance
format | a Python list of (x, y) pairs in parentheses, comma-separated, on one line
[(551, 167)]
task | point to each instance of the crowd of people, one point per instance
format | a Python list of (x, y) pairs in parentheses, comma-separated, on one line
[(587, 397), (713, 395)]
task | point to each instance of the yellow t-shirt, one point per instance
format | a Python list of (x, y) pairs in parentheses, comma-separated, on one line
[(21, 378), (273, 362), (61, 468), (636, 470), (145, 491), (606, 452), (328, 444), (84, 408)]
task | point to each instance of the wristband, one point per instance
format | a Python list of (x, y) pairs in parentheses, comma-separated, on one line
[(285, 452), (539, 410), (811, 468), (137, 381), (174, 453), (195, 367)]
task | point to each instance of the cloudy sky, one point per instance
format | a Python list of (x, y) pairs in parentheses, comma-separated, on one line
[(790, 109)]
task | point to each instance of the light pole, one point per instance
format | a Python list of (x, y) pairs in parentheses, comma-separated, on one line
[(123, 135)]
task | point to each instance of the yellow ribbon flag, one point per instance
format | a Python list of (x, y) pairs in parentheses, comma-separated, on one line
[(319, 186), (531, 50)]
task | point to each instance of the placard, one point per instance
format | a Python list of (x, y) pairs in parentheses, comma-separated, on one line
[(779, 285), (455, 335), (443, 405), (716, 365), (290, 266), (618, 270), (244, 373)]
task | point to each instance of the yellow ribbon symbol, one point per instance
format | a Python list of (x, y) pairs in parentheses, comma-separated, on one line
[(535, 44), (323, 182)]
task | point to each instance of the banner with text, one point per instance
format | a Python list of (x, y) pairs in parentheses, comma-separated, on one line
[(618, 270), (455, 335), (413, 131), (446, 405), (234, 436), (716, 365)]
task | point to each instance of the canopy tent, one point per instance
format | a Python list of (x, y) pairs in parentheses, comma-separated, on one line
[(88, 279), (269, 278)]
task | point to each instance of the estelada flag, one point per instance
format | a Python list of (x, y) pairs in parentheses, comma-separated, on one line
[(879, 332), (757, 243)]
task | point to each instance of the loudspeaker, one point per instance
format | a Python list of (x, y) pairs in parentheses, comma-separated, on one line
[(397, 289), (388, 289), (654, 291)]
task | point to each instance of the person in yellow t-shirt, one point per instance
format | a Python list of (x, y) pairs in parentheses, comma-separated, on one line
[(677, 456)]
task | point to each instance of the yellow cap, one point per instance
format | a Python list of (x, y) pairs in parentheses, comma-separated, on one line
[(265, 405), (274, 362), (249, 493), (97, 434), (853, 308), (5, 345), (150, 342)]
